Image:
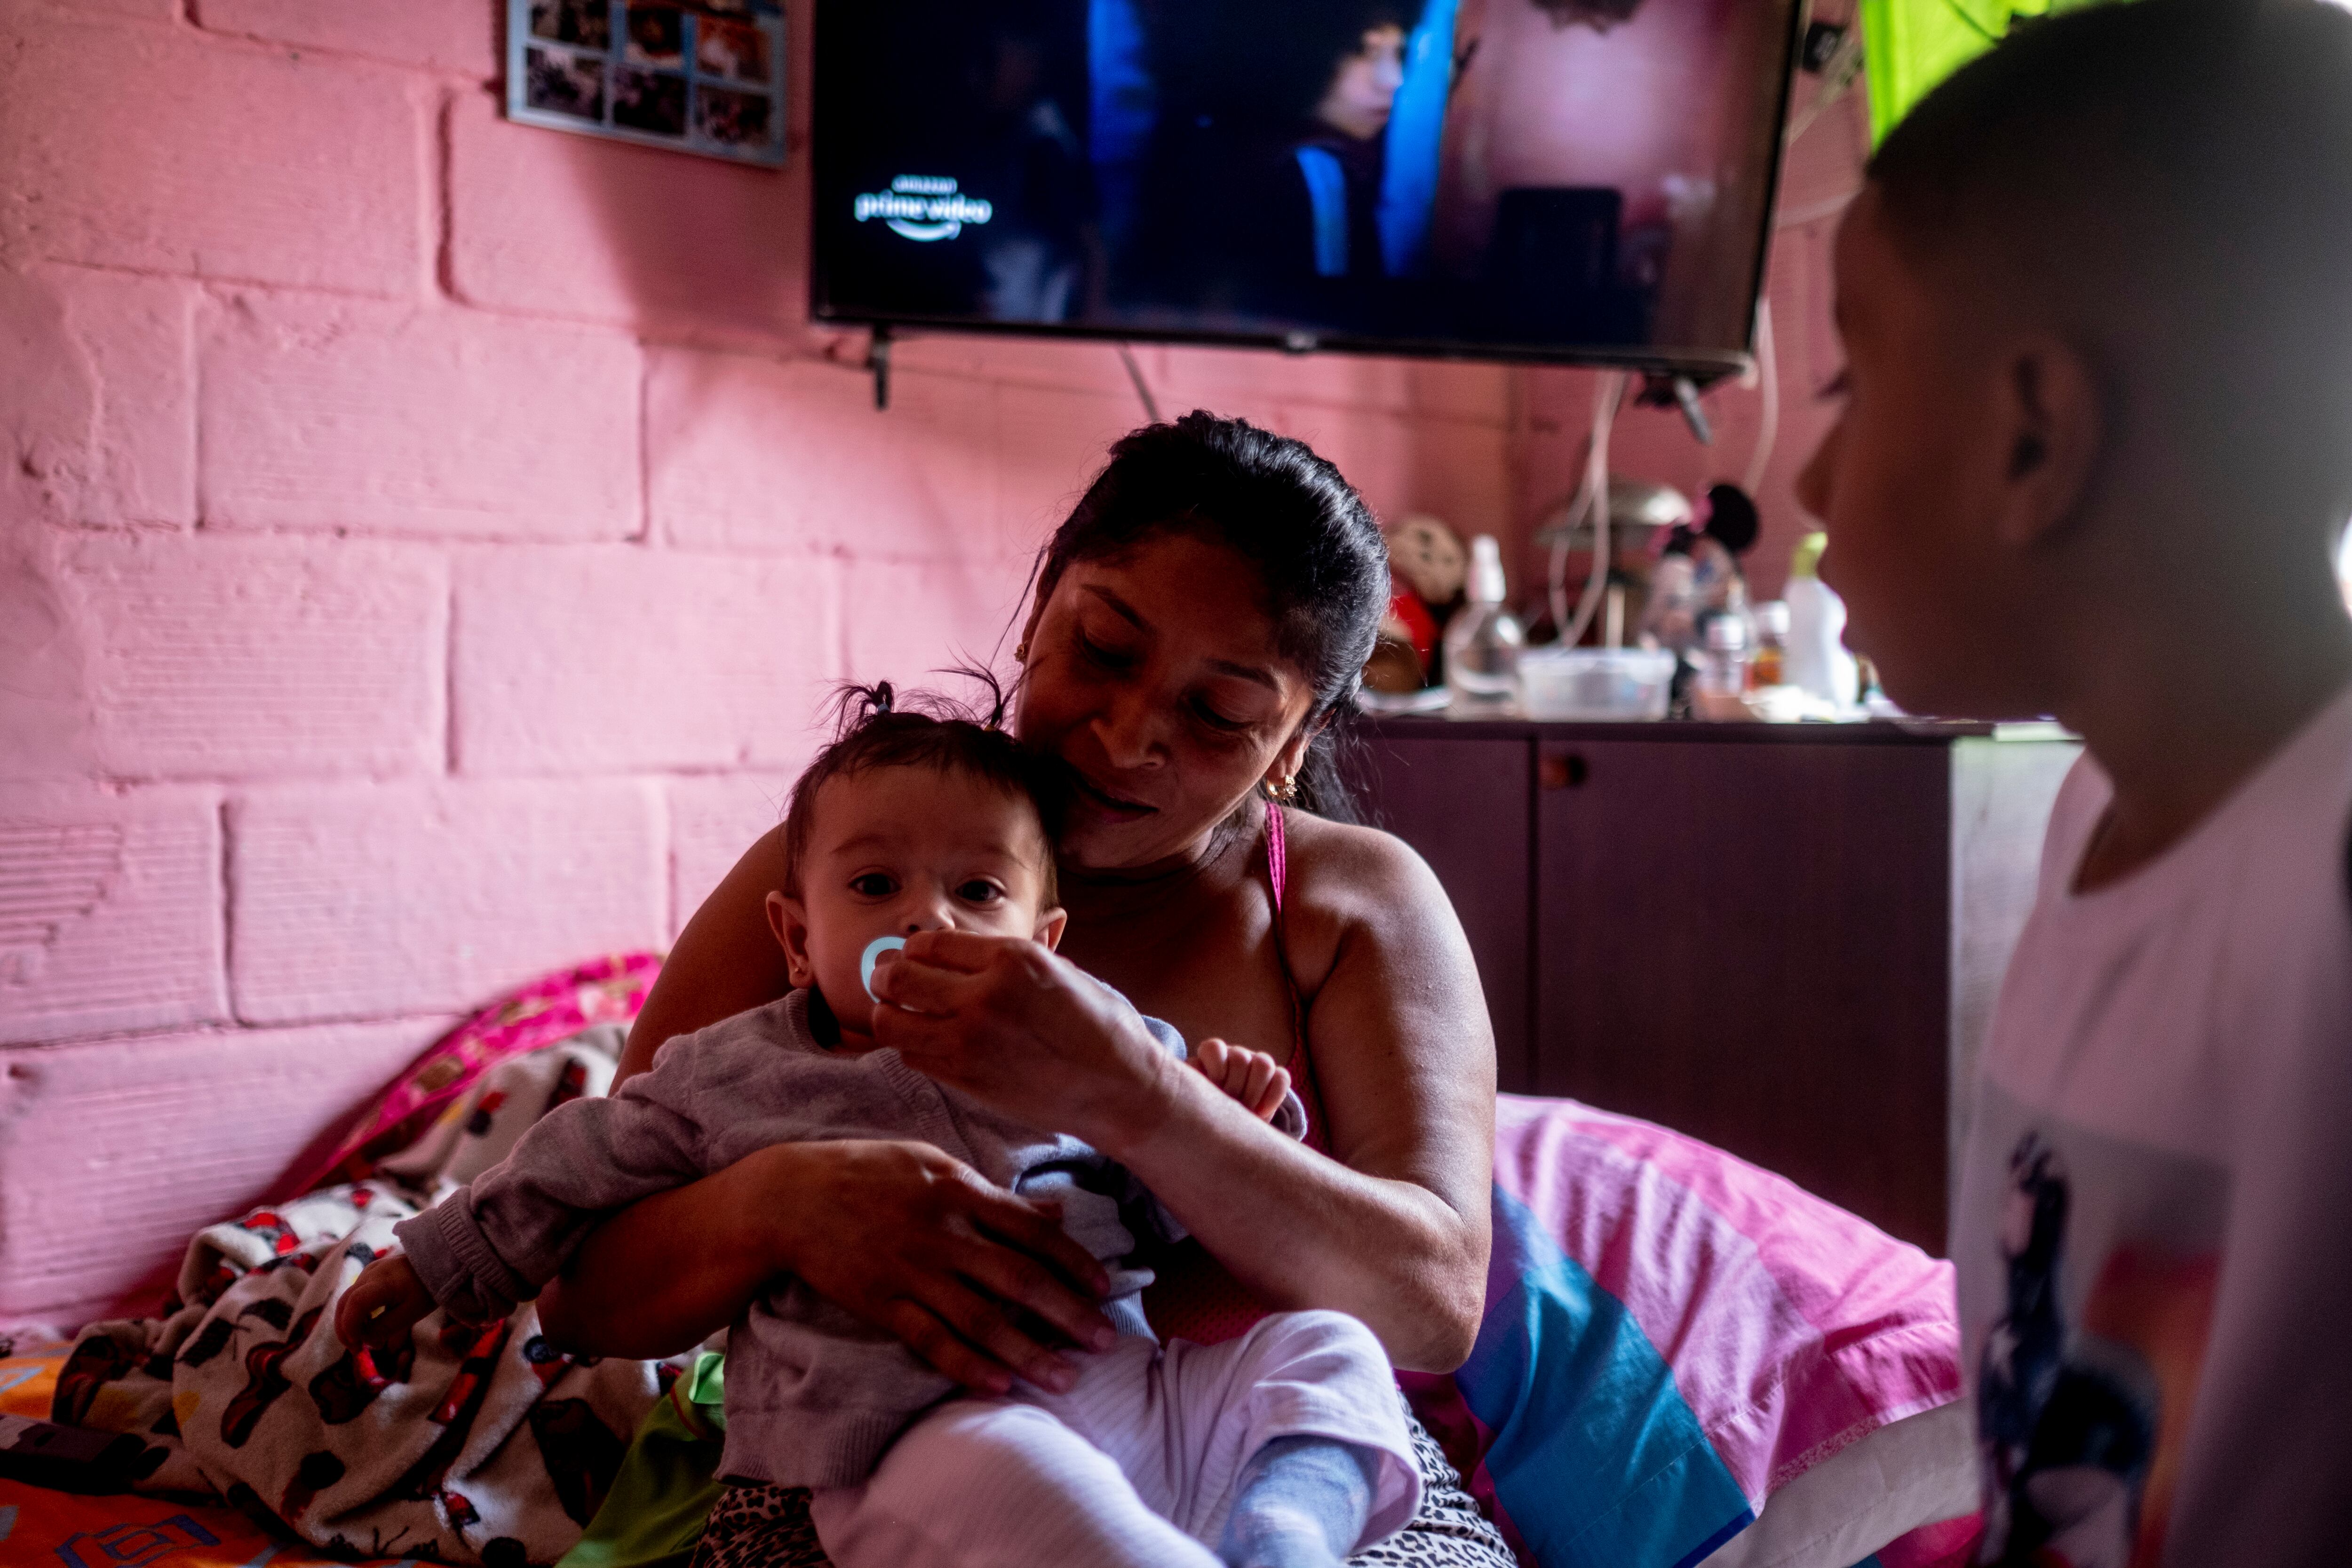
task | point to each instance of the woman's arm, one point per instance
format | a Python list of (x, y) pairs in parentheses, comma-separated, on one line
[(1394, 1229), (726, 960), (669, 1272), (901, 1235)]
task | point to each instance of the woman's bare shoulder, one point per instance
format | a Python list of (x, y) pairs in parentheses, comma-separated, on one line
[(1348, 882), (1341, 862)]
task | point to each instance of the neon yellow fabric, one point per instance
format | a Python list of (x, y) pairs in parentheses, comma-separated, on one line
[(667, 1483), (1909, 46)]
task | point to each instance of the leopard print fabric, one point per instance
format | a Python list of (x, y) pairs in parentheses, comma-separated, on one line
[(769, 1526), (760, 1527), (1449, 1532)]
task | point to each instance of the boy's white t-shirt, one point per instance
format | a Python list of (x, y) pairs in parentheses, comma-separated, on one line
[(2154, 1231)]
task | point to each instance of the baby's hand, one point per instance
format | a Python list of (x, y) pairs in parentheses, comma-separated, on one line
[(382, 1305), (1251, 1077)]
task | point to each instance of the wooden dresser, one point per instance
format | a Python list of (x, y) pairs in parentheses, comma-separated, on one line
[(1785, 939)]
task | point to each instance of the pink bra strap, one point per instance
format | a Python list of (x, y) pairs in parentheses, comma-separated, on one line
[(1302, 1069)]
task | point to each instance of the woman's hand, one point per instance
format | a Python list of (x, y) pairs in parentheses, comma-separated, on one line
[(902, 1236), (914, 1242), (1023, 1031)]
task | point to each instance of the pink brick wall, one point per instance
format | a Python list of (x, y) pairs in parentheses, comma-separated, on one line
[(425, 541)]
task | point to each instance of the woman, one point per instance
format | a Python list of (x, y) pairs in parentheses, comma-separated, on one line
[(1198, 622)]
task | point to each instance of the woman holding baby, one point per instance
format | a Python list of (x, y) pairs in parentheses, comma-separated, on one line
[(1198, 622)]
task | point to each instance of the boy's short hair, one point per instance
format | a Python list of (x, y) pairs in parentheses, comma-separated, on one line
[(2173, 179), (875, 727)]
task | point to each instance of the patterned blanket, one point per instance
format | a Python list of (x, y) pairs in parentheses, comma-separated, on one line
[(486, 1445)]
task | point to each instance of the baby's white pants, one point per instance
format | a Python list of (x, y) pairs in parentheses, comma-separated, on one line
[(1135, 1466)]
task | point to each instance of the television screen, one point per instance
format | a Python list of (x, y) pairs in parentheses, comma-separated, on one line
[(1553, 179)]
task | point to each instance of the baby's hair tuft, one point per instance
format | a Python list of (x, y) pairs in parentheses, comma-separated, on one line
[(879, 726)]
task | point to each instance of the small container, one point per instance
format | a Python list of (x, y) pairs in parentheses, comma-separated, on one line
[(1595, 683)]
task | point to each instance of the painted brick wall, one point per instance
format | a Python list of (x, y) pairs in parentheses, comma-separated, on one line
[(425, 541)]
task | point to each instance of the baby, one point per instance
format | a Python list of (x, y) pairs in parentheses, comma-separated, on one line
[(1285, 1448)]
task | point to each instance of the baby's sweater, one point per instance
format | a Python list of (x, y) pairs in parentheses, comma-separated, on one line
[(814, 1394)]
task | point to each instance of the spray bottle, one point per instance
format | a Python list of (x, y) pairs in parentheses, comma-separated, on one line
[(1483, 640)]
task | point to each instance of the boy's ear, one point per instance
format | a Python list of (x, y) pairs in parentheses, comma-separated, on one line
[(2056, 428), (788, 917), (1051, 923)]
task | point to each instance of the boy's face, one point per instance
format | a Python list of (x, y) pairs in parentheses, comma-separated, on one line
[(1909, 482), (894, 852)]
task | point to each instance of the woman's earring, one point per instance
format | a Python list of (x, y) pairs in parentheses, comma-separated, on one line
[(1285, 789), (1021, 654)]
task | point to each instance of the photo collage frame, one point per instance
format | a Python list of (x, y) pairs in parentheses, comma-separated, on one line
[(703, 76)]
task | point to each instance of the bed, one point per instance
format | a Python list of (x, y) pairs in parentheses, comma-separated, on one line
[(1685, 1361), (40, 1526)]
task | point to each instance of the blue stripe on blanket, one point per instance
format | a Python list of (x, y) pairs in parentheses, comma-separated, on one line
[(9, 1380), (1596, 1457)]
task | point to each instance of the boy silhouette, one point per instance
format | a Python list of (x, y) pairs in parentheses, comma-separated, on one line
[(2094, 460)]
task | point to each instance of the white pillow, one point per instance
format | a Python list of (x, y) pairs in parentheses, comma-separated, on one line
[(1917, 1471)]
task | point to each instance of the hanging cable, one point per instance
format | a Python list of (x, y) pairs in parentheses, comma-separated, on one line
[(1143, 387), (1555, 574), (1837, 74), (1768, 375), (1591, 501)]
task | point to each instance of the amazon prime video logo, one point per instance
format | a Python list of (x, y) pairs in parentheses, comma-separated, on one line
[(924, 207)]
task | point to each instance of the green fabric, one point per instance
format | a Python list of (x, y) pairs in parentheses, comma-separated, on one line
[(1909, 46), (706, 1389), (667, 1483)]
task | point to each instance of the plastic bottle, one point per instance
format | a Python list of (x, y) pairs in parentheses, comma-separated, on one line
[(1723, 667), (1483, 640), (1769, 666), (1817, 660)]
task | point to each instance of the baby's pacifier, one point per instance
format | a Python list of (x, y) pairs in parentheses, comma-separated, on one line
[(872, 956)]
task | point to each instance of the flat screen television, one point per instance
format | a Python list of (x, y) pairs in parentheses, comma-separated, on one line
[(1579, 181)]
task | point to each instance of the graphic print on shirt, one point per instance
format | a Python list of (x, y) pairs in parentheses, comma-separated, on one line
[(2106, 1257)]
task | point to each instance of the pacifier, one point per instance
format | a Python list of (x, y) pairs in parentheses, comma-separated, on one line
[(872, 956)]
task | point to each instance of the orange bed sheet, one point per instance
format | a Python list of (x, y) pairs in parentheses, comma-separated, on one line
[(42, 1528)]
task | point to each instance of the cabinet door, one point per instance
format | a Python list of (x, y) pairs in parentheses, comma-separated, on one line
[(1463, 805), (1748, 941)]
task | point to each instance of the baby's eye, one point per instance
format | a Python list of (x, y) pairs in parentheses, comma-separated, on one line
[(874, 885), (979, 890)]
